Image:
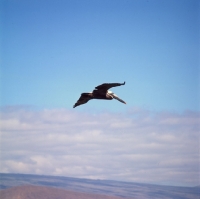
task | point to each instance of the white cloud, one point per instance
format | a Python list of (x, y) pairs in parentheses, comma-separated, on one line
[(138, 145)]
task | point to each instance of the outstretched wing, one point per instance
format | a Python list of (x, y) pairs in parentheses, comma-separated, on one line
[(84, 98), (107, 86)]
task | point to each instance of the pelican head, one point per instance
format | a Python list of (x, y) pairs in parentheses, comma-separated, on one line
[(115, 96)]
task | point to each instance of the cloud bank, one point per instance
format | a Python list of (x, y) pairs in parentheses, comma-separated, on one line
[(137, 145)]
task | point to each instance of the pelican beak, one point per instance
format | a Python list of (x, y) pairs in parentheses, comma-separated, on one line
[(117, 98)]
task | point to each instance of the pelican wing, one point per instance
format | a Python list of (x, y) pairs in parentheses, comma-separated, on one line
[(84, 98), (107, 86)]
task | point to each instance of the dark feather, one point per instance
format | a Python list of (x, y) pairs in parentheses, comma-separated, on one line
[(107, 86), (84, 98)]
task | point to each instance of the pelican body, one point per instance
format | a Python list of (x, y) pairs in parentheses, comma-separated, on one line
[(100, 92)]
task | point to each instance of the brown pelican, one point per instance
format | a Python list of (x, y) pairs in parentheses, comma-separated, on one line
[(100, 92)]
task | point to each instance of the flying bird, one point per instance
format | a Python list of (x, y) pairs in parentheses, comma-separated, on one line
[(100, 92)]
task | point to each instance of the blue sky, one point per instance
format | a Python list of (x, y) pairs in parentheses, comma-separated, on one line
[(52, 51)]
